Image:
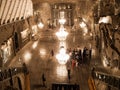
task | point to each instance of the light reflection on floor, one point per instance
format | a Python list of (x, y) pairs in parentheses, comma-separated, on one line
[(35, 44), (27, 56), (61, 71), (42, 51)]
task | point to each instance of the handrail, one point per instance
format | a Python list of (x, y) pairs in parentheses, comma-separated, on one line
[(16, 21), (65, 86), (10, 72), (107, 74), (110, 80)]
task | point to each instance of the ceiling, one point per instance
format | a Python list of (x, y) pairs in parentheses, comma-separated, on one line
[(57, 1)]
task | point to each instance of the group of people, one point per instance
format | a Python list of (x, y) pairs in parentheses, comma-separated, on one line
[(80, 56)]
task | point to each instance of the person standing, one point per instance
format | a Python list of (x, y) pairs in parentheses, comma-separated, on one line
[(25, 68), (52, 53), (73, 63), (69, 74), (76, 63), (84, 55), (80, 56), (92, 72), (43, 80), (20, 60), (90, 53)]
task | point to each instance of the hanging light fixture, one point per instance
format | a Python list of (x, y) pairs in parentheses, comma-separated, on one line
[(39, 20), (62, 21), (40, 25), (62, 34), (62, 57)]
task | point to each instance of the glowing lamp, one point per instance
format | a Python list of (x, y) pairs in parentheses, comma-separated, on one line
[(61, 34), (40, 25), (62, 21), (62, 57)]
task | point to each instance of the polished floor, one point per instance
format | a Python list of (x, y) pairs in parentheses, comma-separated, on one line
[(37, 56)]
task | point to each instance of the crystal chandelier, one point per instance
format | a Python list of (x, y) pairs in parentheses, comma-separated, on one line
[(62, 57), (62, 21), (62, 34), (40, 25)]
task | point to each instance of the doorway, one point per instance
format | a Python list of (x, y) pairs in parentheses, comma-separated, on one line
[(16, 41)]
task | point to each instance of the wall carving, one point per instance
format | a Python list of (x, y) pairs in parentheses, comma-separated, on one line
[(110, 43)]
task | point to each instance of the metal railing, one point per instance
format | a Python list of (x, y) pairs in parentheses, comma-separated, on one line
[(110, 80), (65, 86)]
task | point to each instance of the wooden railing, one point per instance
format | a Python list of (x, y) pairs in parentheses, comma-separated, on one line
[(6, 73)]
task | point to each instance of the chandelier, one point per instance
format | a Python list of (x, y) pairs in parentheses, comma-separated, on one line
[(40, 25), (62, 21), (62, 34), (62, 57)]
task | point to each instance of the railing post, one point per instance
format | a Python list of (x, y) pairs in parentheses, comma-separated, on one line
[(27, 79), (11, 81)]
